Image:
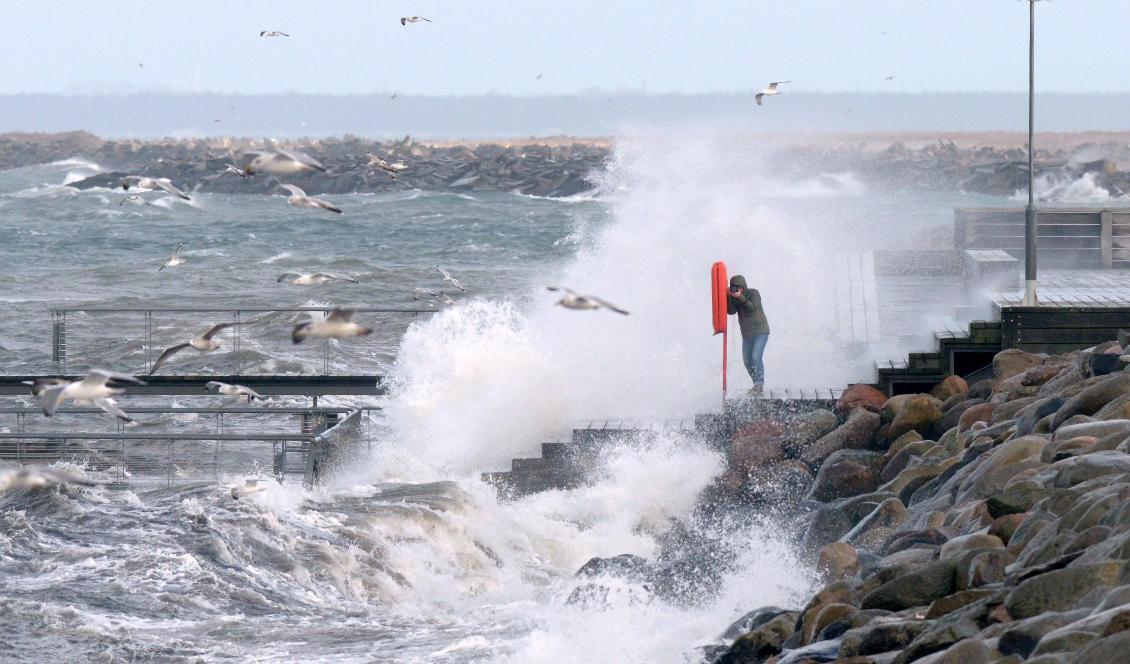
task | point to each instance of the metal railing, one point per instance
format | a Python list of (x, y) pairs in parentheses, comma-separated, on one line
[(189, 455), (239, 316)]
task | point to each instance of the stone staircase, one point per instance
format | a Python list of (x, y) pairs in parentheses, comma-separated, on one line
[(964, 350), (568, 463)]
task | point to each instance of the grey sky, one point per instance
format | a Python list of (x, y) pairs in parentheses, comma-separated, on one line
[(477, 46)]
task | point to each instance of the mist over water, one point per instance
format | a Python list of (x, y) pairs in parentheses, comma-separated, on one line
[(406, 555)]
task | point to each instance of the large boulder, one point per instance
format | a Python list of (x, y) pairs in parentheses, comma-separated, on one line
[(855, 433), (918, 588), (1079, 469), (784, 482), (980, 413), (949, 387), (837, 560), (757, 444), (846, 473), (807, 429), (1013, 361), (761, 643), (1092, 398), (918, 414), (860, 395), (879, 636), (1059, 590)]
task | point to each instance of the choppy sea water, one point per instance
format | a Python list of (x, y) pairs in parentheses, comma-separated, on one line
[(408, 556)]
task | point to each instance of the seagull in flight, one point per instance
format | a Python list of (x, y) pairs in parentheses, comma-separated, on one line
[(769, 91), (272, 33), (90, 390), (312, 279), (572, 300), (174, 259), (151, 184), (299, 199), (231, 168), (203, 343), (133, 198), (36, 478), (447, 277), (233, 390), (337, 325), (405, 20), (423, 291), (249, 486), (391, 169), (282, 162)]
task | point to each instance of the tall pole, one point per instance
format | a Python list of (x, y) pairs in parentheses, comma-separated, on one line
[(1030, 299)]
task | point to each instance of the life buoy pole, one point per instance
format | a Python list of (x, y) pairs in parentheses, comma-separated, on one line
[(719, 292)]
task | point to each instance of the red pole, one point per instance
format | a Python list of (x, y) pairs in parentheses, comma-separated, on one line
[(725, 348)]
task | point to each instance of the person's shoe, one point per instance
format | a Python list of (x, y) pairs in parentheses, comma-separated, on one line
[(756, 390)]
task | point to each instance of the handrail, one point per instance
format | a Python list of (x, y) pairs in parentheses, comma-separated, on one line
[(235, 309), (234, 410), (40, 435), (59, 325)]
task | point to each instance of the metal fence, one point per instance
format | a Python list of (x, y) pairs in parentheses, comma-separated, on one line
[(241, 318)]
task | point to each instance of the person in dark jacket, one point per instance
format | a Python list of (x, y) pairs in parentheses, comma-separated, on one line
[(746, 303)]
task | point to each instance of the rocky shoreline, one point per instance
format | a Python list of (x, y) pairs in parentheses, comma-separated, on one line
[(563, 167), (975, 524)]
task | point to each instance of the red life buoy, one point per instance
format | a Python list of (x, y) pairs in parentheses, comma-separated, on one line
[(719, 292)]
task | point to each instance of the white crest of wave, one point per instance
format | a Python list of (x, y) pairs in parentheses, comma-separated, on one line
[(474, 387), (276, 258), (1060, 189)]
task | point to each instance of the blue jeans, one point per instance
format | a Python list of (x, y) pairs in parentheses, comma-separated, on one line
[(753, 349)]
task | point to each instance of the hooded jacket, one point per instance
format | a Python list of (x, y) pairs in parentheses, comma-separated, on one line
[(751, 316)]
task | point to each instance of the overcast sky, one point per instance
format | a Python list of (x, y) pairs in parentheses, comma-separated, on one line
[(477, 46)]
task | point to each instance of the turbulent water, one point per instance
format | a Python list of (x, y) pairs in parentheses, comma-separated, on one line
[(407, 556)]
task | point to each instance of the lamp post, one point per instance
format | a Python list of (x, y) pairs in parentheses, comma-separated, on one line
[(1030, 299)]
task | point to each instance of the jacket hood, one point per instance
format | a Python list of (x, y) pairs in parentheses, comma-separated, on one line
[(738, 280)]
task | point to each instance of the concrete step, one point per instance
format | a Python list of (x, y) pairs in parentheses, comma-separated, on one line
[(554, 450)]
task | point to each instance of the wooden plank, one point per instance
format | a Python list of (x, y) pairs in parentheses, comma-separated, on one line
[(1053, 317), (1106, 237), (1045, 230), (1082, 336)]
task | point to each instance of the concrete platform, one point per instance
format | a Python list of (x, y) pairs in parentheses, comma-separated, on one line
[(313, 385)]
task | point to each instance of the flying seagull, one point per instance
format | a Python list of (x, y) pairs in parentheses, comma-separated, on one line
[(312, 279), (447, 277), (133, 198), (391, 169), (272, 33), (203, 343), (91, 390), (571, 300), (769, 91), (299, 199), (231, 168), (232, 390), (249, 486), (150, 184), (337, 325), (174, 259), (282, 162), (413, 19), (35, 478), (423, 291)]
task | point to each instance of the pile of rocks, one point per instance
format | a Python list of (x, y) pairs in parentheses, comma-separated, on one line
[(554, 167), (983, 523)]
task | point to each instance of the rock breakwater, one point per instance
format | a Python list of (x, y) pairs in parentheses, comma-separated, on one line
[(563, 167), (975, 524)]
